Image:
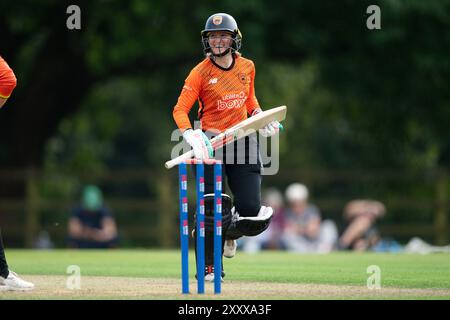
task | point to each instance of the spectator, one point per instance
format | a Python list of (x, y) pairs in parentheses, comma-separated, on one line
[(361, 234), (271, 238), (304, 231), (91, 224)]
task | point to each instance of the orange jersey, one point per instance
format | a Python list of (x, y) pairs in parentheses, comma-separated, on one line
[(7, 80), (225, 96)]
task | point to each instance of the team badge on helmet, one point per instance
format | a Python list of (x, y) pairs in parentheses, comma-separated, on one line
[(217, 20)]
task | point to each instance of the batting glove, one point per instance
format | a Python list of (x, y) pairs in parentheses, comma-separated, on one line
[(199, 142), (271, 129)]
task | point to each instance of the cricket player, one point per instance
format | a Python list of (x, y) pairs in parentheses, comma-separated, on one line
[(9, 280), (223, 85)]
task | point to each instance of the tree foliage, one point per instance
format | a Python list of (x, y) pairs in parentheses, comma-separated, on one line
[(103, 96)]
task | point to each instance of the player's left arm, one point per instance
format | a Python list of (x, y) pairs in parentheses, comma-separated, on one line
[(8, 81), (252, 103), (253, 108)]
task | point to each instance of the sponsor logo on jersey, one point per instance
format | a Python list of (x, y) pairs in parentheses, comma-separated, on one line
[(212, 81), (232, 101)]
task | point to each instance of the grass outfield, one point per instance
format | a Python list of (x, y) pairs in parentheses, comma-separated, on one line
[(154, 274)]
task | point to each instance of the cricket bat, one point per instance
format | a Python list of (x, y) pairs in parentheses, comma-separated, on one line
[(240, 130)]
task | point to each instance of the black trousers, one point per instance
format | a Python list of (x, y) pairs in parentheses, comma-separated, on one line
[(244, 182), (3, 265), (242, 174)]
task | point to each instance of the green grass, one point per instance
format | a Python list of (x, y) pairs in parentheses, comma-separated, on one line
[(397, 270)]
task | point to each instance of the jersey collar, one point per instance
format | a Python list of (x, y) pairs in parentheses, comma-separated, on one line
[(222, 68)]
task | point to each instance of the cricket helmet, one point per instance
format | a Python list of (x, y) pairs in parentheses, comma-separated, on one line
[(222, 22)]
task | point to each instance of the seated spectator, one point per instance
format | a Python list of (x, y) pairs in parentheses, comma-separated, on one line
[(304, 230), (271, 238), (361, 234), (91, 224)]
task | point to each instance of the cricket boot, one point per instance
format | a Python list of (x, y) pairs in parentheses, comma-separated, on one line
[(14, 283)]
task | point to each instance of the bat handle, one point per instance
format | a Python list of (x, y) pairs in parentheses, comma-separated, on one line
[(174, 162)]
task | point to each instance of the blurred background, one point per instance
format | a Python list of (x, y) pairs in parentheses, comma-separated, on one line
[(368, 110)]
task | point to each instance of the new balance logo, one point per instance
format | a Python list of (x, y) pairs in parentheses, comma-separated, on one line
[(212, 81)]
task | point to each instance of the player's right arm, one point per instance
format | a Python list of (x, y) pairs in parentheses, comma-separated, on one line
[(8, 81), (189, 95), (253, 108), (195, 138)]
